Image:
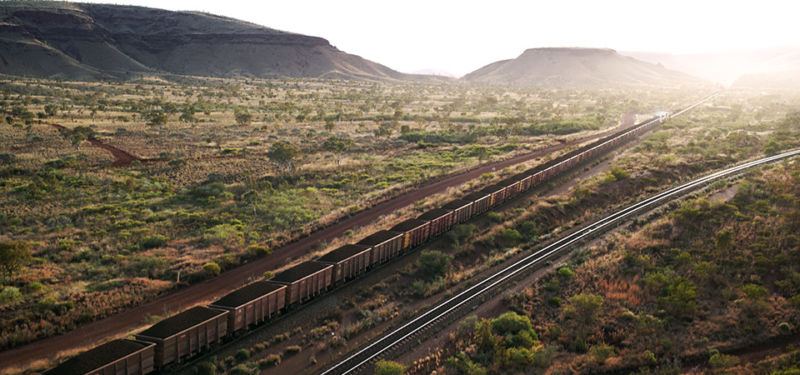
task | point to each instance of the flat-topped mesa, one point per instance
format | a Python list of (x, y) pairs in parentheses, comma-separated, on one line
[(575, 67), (570, 50)]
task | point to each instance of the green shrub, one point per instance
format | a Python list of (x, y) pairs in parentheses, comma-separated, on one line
[(601, 352), (212, 268), (523, 339), (528, 228), (240, 370), (649, 357), (293, 349), (384, 367), (270, 361), (34, 287), (510, 235), (242, 355), (619, 174), (433, 263), (465, 365), (153, 242), (9, 294), (205, 368), (460, 232), (258, 251), (721, 361), (494, 217), (224, 234), (511, 323), (565, 273)]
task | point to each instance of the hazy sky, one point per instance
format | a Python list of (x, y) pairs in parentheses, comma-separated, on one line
[(461, 36)]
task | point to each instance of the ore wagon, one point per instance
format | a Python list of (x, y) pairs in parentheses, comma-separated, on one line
[(186, 333), (496, 194), (348, 261), (441, 220), (304, 280), (414, 232), (512, 186), (117, 357), (480, 202), (462, 210), (252, 304), (525, 181), (385, 245)]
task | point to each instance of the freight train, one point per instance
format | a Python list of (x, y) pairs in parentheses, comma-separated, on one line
[(195, 330)]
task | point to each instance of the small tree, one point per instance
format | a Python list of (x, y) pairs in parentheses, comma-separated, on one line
[(384, 367), (252, 197), (187, 114), (51, 110), (434, 263), (338, 146), (78, 135), (330, 124), (242, 116), (584, 307), (13, 255), (460, 232), (385, 130), (156, 118), (283, 154)]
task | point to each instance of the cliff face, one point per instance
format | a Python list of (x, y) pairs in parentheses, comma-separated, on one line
[(93, 40), (575, 67)]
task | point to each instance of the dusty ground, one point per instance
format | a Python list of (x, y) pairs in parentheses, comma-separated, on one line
[(124, 323), (313, 357)]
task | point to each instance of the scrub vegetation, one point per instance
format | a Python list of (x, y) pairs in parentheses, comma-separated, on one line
[(124, 190), (688, 285)]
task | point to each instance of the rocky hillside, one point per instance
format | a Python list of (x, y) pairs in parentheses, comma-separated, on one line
[(575, 67), (89, 41)]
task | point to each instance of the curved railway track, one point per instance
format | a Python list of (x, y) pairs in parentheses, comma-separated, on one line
[(183, 298), (484, 199), (449, 309)]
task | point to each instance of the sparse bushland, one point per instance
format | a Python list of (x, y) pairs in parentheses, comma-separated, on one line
[(485, 242), (104, 239), (714, 275), (709, 276)]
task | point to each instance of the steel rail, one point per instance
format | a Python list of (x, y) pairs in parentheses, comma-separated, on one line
[(380, 346), (488, 283)]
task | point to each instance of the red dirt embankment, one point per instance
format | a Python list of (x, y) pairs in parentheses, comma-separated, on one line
[(181, 299)]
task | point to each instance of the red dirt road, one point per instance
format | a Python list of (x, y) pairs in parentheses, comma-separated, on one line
[(121, 158), (178, 300)]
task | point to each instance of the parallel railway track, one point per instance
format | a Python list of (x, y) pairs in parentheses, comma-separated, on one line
[(452, 308), (179, 336), (449, 309)]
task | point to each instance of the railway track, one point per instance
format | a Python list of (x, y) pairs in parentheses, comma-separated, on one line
[(480, 202), (180, 299), (456, 306)]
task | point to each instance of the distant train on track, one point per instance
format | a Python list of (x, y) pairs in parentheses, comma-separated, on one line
[(190, 332)]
